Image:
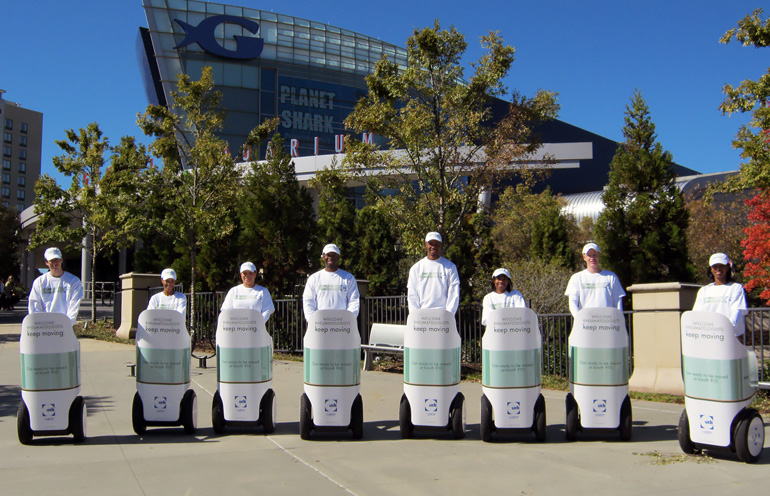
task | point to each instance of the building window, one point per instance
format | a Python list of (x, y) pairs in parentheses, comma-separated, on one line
[(5, 203), (7, 151), (8, 137), (6, 192), (21, 181), (6, 164), (22, 167), (20, 207), (23, 154), (6, 178), (9, 123), (20, 194), (23, 127), (22, 140)]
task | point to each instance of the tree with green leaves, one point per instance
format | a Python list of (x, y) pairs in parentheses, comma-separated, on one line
[(443, 148), (197, 187), (10, 240), (336, 214), (375, 252), (101, 208), (642, 229), (277, 221)]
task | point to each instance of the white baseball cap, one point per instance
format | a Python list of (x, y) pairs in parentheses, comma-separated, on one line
[(591, 246), (248, 266), (719, 258), (52, 253), (433, 236), (501, 271), (168, 274), (331, 247)]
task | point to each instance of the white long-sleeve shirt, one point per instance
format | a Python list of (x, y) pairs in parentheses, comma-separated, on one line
[(434, 284), (256, 298), (728, 299), (336, 290), (177, 301), (493, 300), (56, 295), (587, 290)]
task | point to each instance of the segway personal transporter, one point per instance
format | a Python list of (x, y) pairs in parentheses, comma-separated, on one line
[(598, 373), (50, 404), (432, 397), (720, 381), (332, 356), (511, 377), (163, 395), (244, 393)]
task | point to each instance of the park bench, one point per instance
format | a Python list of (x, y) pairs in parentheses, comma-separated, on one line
[(384, 339)]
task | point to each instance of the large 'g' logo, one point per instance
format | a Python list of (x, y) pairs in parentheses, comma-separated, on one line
[(203, 35)]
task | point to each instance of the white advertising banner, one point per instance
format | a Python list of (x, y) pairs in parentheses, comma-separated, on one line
[(50, 369), (511, 365), (162, 363), (332, 365)]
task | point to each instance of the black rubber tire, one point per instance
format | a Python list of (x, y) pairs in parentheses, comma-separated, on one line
[(23, 424), (456, 419), (357, 417), (486, 426), (218, 421), (626, 426), (137, 415), (405, 418), (77, 419), (189, 406), (683, 435), (572, 423), (750, 436), (539, 424), (267, 412), (305, 417)]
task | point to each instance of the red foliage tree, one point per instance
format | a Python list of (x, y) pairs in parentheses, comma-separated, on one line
[(756, 246)]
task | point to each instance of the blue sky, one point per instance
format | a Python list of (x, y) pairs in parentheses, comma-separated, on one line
[(76, 61)]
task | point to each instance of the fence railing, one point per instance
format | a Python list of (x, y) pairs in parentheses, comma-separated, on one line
[(757, 339), (103, 292)]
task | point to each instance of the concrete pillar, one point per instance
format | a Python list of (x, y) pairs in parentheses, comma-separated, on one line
[(658, 308), (133, 300)]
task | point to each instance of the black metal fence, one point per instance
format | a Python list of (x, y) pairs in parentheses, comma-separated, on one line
[(757, 339)]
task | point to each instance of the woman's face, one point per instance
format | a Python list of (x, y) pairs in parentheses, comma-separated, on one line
[(719, 271), (501, 284)]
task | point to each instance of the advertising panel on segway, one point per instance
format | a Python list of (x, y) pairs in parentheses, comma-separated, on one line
[(332, 374), (511, 374), (432, 397), (51, 404), (163, 394), (244, 372), (720, 381), (598, 373)]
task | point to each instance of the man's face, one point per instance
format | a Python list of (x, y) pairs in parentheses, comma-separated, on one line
[(433, 248), (248, 277), (592, 260), (168, 286), (55, 266), (331, 261)]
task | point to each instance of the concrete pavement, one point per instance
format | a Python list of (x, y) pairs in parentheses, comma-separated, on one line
[(114, 460)]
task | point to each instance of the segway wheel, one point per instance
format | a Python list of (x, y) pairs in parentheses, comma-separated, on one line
[(683, 435), (218, 422), (137, 415), (405, 418), (626, 420), (539, 424), (267, 412), (486, 426), (305, 417), (457, 416), (22, 424), (189, 414), (572, 424), (77, 419), (750, 436), (357, 417)]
